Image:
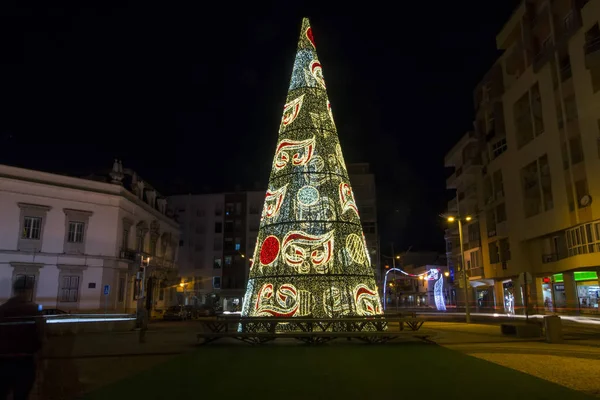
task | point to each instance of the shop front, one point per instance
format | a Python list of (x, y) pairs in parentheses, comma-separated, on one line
[(588, 292)]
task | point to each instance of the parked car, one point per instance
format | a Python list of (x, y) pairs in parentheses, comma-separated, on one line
[(176, 313)]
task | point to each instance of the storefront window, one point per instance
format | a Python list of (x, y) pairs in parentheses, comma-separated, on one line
[(588, 294), (509, 298), (547, 295)]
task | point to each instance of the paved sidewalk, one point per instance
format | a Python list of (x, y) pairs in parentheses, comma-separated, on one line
[(76, 364), (574, 364)]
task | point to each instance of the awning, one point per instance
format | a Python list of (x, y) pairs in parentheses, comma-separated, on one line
[(482, 283)]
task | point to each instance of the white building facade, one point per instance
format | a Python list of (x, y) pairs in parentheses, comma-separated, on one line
[(74, 239)]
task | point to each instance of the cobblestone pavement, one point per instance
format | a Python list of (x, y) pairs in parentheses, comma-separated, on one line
[(574, 363)]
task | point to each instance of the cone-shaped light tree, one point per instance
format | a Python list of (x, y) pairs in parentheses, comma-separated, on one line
[(310, 258)]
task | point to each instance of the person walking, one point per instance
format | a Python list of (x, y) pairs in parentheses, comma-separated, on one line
[(22, 335)]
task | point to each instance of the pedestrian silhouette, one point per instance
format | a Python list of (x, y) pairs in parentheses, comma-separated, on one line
[(22, 335)]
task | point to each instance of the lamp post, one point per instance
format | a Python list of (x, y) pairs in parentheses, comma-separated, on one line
[(462, 263)]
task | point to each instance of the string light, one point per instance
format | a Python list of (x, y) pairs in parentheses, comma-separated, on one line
[(311, 257)]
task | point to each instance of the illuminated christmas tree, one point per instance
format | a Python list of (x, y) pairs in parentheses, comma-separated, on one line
[(310, 258)]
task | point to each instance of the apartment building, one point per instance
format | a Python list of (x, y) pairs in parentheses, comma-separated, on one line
[(537, 122), (78, 242), (363, 186), (218, 237)]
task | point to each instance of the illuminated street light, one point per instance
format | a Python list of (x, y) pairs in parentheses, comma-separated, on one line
[(397, 257), (421, 277), (446, 274), (182, 284), (462, 262)]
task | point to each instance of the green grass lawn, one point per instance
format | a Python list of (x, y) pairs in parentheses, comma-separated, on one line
[(333, 371)]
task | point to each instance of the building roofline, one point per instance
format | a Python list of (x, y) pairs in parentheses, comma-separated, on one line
[(69, 182)]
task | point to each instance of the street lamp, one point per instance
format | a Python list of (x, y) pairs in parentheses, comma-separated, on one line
[(462, 262)]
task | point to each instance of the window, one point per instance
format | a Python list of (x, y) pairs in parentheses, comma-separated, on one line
[(227, 260), (75, 234), (69, 289), (523, 125), (498, 184), (181, 243), (500, 213), (229, 209), (228, 226), (200, 212), (228, 244), (199, 247), (238, 208), (25, 281), (546, 183), (216, 282), (238, 242), (218, 211), (217, 263), (536, 110), (367, 211), (531, 190), (576, 150), (368, 227), (498, 148), (200, 229), (581, 190), (583, 239), (475, 258), (473, 233), (493, 250), (218, 227), (504, 250), (488, 190), (218, 245), (490, 218), (571, 108), (125, 239), (32, 227), (121, 292), (76, 225), (238, 225)]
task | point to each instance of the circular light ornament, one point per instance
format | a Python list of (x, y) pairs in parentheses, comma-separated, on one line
[(308, 195), (269, 250)]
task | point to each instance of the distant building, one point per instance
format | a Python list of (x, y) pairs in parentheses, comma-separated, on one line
[(363, 186), (75, 239), (218, 237)]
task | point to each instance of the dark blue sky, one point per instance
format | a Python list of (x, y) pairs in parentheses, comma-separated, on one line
[(192, 99)]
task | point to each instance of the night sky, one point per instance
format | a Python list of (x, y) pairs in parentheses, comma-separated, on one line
[(192, 98)]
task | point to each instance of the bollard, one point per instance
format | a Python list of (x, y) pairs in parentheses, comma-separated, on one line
[(553, 327)]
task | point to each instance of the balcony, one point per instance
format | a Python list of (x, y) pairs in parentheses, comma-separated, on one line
[(128, 254), (476, 273), (592, 52)]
